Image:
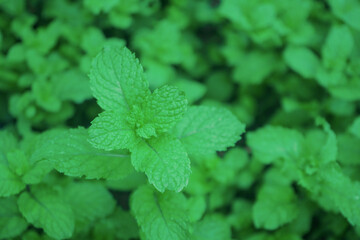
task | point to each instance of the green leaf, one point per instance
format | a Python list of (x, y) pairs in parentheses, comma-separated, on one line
[(164, 161), (117, 79), (165, 107), (338, 47), (71, 85), (348, 11), (110, 130), (212, 227), (74, 156), (121, 224), (271, 143), (302, 60), (12, 223), (89, 201), (341, 191), (161, 216), (274, 207), (97, 6), (204, 130), (8, 143), (355, 128), (349, 151), (18, 162), (10, 183), (328, 152), (45, 209)]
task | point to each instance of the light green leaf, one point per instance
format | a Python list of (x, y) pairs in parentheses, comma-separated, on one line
[(271, 143), (348, 11), (37, 172), (165, 107), (45, 209), (164, 161), (10, 183), (204, 130), (110, 130), (18, 162), (71, 85), (341, 192), (302, 60), (161, 216), (328, 152), (338, 47), (212, 227), (12, 223), (274, 207), (117, 79), (89, 201), (74, 156), (8, 143)]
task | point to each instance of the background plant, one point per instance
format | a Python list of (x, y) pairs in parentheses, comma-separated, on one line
[(290, 74)]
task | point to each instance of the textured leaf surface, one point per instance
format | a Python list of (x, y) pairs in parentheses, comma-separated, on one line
[(74, 156), (341, 192), (164, 161), (160, 216), (204, 130), (165, 107), (12, 223), (271, 143), (89, 201), (117, 79), (110, 131), (45, 209)]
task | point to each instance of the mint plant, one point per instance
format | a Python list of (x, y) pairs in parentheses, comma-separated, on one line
[(125, 120)]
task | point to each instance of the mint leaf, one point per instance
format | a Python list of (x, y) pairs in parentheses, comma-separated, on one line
[(10, 183), (212, 227), (302, 60), (328, 152), (161, 216), (337, 48), (205, 130), (271, 143), (89, 201), (45, 209), (110, 130), (73, 155), (8, 143), (165, 107), (341, 192), (12, 223), (274, 207), (117, 79), (164, 161)]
